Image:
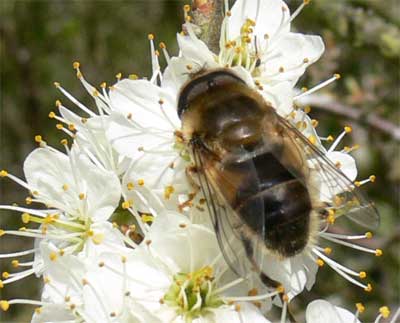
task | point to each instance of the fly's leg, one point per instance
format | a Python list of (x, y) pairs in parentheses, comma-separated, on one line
[(191, 173), (266, 280)]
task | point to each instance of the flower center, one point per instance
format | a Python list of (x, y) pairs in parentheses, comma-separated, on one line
[(192, 293)]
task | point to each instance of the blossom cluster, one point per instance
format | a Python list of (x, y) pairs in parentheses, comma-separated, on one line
[(124, 160)]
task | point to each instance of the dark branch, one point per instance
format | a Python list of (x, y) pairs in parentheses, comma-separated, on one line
[(329, 104)]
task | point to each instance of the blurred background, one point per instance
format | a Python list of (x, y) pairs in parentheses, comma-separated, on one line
[(39, 40)]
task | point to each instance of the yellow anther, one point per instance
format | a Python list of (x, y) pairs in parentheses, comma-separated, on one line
[(186, 8), (162, 45), (22, 229), (348, 129), (253, 292), (83, 120), (362, 274), (378, 252), (65, 187), (188, 18), (150, 36), (101, 264), (285, 298), (385, 311), (90, 233), (98, 238), (368, 235), (5, 274), (15, 263), (38, 310), (96, 93), (360, 307), (130, 186), (133, 77), (147, 218), (123, 259), (26, 218), (280, 289), (4, 305), (372, 178), (53, 256), (337, 76), (331, 219), (76, 65), (281, 69), (237, 307), (307, 109), (129, 116), (312, 139), (160, 101), (118, 76), (314, 123), (368, 288), (52, 115), (2, 232), (320, 262), (56, 84), (1, 284), (59, 126), (38, 138), (330, 138), (58, 103), (71, 127), (126, 205), (357, 183), (64, 142), (168, 191), (3, 173), (229, 13), (85, 281), (328, 251), (78, 74), (103, 85), (81, 196), (46, 279), (141, 182), (61, 252), (182, 225)]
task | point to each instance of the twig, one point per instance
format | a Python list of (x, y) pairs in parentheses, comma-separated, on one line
[(208, 16), (328, 103)]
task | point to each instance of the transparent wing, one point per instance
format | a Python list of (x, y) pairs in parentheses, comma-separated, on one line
[(235, 243), (332, 185)]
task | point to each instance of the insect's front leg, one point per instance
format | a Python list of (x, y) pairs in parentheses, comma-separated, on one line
[(191, 174)]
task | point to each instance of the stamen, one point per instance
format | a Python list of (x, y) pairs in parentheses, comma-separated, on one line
[(346, 130), (318, 87)]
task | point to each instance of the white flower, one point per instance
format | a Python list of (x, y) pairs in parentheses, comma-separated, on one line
[(321, 311), (255, 35), (177, 274), (79, 198)]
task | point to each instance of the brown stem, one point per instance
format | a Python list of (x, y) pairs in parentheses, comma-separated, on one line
[(329, 104), (208, 16)]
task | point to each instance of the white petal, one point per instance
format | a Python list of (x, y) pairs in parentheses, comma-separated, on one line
[(196, 51), (127, 138), (347, 163), (53, 313), (289, 53), (321, 311), (140, 98)]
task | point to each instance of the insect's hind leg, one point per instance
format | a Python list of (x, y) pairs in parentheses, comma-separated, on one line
[(266, 280)]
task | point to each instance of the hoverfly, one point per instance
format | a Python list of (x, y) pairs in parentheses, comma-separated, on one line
[(260, 176)]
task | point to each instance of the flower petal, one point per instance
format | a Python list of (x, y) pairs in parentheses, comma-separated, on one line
[(321, 311)]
